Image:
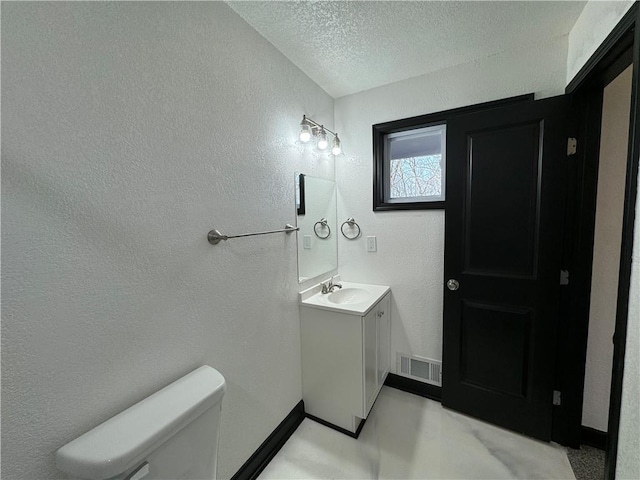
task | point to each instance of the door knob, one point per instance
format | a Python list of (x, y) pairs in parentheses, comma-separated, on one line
[(453, 284)]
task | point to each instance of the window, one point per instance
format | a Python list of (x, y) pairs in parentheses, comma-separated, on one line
[(409, 158), (415, 160)]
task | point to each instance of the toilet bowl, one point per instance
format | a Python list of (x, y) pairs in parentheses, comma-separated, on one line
[(172, 434)]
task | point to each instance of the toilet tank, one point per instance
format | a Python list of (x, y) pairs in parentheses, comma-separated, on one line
[(173, 434)]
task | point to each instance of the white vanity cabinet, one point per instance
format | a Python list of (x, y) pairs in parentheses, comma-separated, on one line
[(345, 359)]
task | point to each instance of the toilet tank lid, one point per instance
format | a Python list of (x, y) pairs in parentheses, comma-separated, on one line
[(125, 440)]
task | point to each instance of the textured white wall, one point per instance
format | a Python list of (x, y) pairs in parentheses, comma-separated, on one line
[(130, 130), (595, 22), (628, 464), (606, 250), (411, 243)]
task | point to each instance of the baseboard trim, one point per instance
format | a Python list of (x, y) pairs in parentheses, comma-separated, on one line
[(337, 428), (414, 386), (274, 442), (593, 437)]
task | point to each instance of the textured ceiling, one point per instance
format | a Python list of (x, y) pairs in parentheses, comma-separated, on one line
[(349, 46)]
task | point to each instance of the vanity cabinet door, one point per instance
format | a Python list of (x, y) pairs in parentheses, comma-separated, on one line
[(384, 339), (370, 350)]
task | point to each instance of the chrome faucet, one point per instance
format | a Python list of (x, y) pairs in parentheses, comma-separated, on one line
[(329, 286)]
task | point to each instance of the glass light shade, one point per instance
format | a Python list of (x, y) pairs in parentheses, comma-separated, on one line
[(305, 132), (322, 140), (336, 149)]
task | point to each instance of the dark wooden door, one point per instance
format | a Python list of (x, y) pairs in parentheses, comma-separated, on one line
[(506, 170)]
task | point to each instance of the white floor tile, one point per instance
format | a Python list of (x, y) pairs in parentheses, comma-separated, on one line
[(407, 436)]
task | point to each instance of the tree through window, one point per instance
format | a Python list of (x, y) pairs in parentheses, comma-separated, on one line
[(415, 160), (416, 177)]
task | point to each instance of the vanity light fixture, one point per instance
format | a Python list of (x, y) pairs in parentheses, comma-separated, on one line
[(322, 139), (310, 129), (336, 149), (305, 131)]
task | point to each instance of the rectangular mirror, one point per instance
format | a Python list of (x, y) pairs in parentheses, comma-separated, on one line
[(316, 216)]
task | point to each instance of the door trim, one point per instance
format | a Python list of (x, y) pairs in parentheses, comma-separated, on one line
[(611, 57), (624, 281), (577, 259)]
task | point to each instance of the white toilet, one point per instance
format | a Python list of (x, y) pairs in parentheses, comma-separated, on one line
[(173, 434)]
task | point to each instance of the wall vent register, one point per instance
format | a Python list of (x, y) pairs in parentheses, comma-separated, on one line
[(419, 368)]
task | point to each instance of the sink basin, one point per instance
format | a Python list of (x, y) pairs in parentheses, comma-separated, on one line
[(349, 295), (352, 298)]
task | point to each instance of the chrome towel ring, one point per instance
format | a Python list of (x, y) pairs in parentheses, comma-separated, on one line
[(351, 223), (324, 224)]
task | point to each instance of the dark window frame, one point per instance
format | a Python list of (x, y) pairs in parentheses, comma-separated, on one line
[(381, 130)]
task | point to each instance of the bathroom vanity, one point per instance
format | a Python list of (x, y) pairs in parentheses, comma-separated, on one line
[(345, 341)]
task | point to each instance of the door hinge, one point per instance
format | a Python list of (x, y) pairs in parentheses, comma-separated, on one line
[(572, 146), (564, 277), (557, 397)]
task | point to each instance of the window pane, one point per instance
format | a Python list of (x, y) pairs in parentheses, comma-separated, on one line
[(415, 162), (416, 177)]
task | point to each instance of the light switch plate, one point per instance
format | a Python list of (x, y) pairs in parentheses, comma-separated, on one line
[(306, 241), (371, 244)]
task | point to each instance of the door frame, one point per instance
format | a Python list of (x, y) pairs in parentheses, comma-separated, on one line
[(620, 49)]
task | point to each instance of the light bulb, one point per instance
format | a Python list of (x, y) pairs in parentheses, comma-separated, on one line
[(336, 149), (305, 131), (322, 139)]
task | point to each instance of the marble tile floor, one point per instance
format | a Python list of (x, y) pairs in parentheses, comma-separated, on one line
[(407, 436)]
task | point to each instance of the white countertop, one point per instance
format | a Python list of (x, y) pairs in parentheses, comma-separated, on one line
[(313, 297)]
